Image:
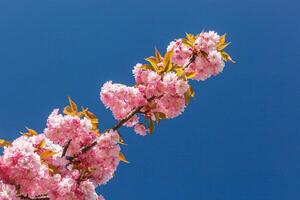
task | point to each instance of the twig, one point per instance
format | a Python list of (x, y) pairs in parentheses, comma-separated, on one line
[(42, 197), (123, 121), (85, 149), (66, 148)]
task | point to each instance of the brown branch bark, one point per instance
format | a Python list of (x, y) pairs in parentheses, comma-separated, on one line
[(36, 198), (66, 148)]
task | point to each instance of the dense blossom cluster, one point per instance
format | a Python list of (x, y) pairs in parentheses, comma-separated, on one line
[(72, 156), (34, 165), (162, 89), (209, 61)]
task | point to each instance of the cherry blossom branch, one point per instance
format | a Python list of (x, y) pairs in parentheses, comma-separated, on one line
[(138, 109), (133, 112), (162, 91)]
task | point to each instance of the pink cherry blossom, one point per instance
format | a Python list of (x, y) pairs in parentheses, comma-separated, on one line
[(103, 158), (140, 129), (121, 99), (62, 128), (8, 192)]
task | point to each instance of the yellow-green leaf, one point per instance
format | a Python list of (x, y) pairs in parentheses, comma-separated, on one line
[(158, 55), (145, 67), (223, 46), (151, 126), (190, 75), (190, 37), (92, 117), (168, 66), (222, 40), (187, 97), (153, 62), (187, 42), (52, 169), (41, 144), (31, 132), (81, 113), (47, 154), (157, 118), (179, 71), (168, 61), (121, 141), (73, 105), (71, 109), (123, 158), (192, 92), (97, 133), (88, 114), (226, 57), (68, 110), (4, 143), (162, 115)]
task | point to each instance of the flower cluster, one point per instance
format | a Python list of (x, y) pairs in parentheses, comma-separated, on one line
[(67, 161), (121, 100), (207, 52), (72, 156), (162, 89), (7, 192)]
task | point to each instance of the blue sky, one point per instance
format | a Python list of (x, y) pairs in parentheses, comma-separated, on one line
[(238, 139)]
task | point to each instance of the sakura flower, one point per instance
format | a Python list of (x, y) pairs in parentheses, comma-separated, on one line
[(140, 129), (7, 192)]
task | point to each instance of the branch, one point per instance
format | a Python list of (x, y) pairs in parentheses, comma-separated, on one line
[(85, 149), (66, 148), (129, 116), (42, 197)]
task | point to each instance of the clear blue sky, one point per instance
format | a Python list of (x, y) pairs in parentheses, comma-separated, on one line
[(238, 140)]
